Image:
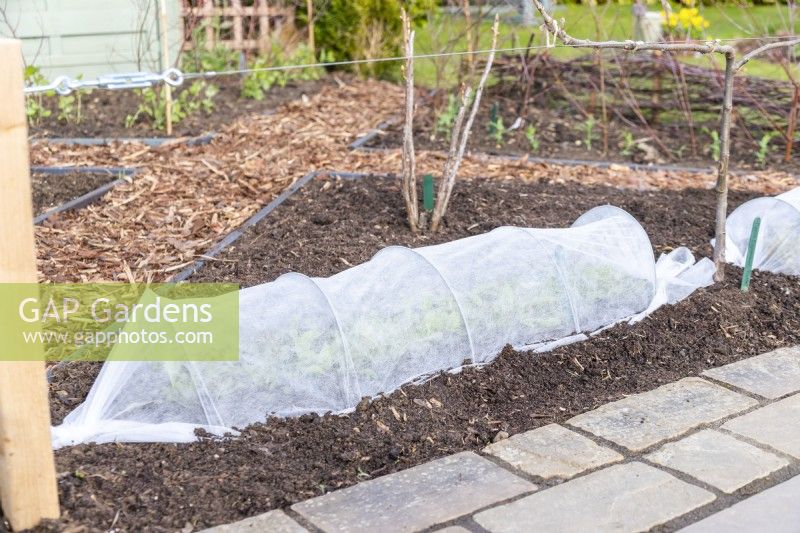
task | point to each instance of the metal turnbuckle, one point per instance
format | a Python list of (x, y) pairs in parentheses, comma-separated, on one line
[(65, 85)]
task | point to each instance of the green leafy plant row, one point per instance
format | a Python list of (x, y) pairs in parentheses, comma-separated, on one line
[(256, 84), (199, 96), (70, 107), (363, 29)]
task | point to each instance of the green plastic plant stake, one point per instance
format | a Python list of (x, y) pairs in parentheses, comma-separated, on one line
[(427, 192), (751, 250)]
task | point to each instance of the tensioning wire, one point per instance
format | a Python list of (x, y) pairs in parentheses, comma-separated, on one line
[(64, 85), (211, 74), (193, 75)]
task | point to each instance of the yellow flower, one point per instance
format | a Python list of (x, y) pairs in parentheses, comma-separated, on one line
[(706, 24)]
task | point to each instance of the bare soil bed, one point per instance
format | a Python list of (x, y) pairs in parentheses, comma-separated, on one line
[(331, 224), (653, 117), (51, 190), (104, 111)]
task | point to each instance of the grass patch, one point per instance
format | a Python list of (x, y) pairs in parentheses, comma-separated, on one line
[(446, 32)]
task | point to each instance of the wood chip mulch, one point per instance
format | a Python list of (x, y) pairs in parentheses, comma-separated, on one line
[(185, 198)]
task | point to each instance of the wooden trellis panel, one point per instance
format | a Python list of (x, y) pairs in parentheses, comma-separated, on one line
[(236, 24)]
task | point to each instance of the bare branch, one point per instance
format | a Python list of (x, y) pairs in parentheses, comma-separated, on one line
[(454, 159), (409, 158), (760, 50), (725, 118), (631, 46), (455, 137)]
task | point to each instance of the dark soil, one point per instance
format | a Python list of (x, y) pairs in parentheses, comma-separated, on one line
[(51, 190), (104, 111), (332, 224), (337, 223), (563, 94)]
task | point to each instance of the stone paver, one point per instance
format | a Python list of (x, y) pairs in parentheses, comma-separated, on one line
[(416, 498), (453, 529), (776, 510), (626, 497), (273, 521), (718, 459), (641, 420), (771, 375), (777, 425), (552, 451)]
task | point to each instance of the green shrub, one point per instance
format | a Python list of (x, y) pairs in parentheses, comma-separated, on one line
[(256, 84), (365, 29), (201, 58), (199, 96)]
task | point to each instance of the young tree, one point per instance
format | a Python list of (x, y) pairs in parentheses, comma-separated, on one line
[(732, 67), (458, 137)]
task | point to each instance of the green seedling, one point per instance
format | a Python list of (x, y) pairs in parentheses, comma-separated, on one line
[(588, 131), (764, 148), (533, 139), (497, 130), (446, 119), (35, 109), (715, 143), (70, 106), (67, 108), (628, 144)]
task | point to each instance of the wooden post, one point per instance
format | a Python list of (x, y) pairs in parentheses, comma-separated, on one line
[(470, 38), (310, 13), (263, 26), (28, 491), (238, 30), (209, 22), (164, 41)]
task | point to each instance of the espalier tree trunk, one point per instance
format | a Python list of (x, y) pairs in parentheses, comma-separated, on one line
[(732, 67)]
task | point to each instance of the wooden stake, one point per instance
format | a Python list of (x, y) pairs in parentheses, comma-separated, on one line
[(409, 161), (162, 30), (470, 42), (310, 12), (28, 491), (792, 124)]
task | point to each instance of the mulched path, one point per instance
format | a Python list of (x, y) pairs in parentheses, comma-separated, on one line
[(332, 224), (104, 111), (184, 198), (51, 190)]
